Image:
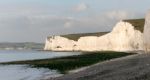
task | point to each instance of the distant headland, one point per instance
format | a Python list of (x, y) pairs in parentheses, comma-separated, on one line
[(127, 35)]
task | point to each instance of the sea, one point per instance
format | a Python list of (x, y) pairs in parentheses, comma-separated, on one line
[(24, 72)]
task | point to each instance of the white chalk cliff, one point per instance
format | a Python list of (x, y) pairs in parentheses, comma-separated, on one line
[(147, 33), (123, 37)]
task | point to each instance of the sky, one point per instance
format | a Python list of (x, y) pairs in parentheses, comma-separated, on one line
[(34, 20)]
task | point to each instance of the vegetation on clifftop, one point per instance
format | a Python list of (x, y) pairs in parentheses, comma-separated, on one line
[(75, 37), (137, 23)]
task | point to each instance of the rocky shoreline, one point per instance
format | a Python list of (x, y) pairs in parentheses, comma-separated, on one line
[(134, 67)]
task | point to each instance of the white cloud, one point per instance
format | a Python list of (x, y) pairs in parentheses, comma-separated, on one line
[(98, 22), (80, 7), (68, 24), (119, 14), (36, 27)]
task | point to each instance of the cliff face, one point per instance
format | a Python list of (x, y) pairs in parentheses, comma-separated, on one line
[(147, 32), (124, 37), (58, 43)]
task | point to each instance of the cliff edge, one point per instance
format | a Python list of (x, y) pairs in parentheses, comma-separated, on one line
[(147, 32), (124, 37)]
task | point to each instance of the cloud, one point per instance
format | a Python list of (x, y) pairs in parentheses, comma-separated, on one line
[(36, 27), (80, 7), (119, 14), (99, 22), (68, 24)]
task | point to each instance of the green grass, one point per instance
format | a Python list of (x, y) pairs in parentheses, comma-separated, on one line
[(137, 23), (75, 37), (65, 64)]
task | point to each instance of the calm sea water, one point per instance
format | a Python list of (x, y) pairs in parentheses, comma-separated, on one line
[(23, 72), (13, 55)]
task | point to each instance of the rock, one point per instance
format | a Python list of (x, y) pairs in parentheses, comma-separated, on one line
[(58, 43), (147, 33), (122, 38)]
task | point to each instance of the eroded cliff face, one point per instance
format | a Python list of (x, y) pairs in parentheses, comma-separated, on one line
[(147, 33), (122, 38), (58, 43)]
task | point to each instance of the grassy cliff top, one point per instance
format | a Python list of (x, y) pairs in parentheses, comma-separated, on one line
[(75, 37), (137, 23)]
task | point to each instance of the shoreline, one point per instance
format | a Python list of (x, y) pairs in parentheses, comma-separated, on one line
[(65, 64), (101, 63), (132, 67)]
